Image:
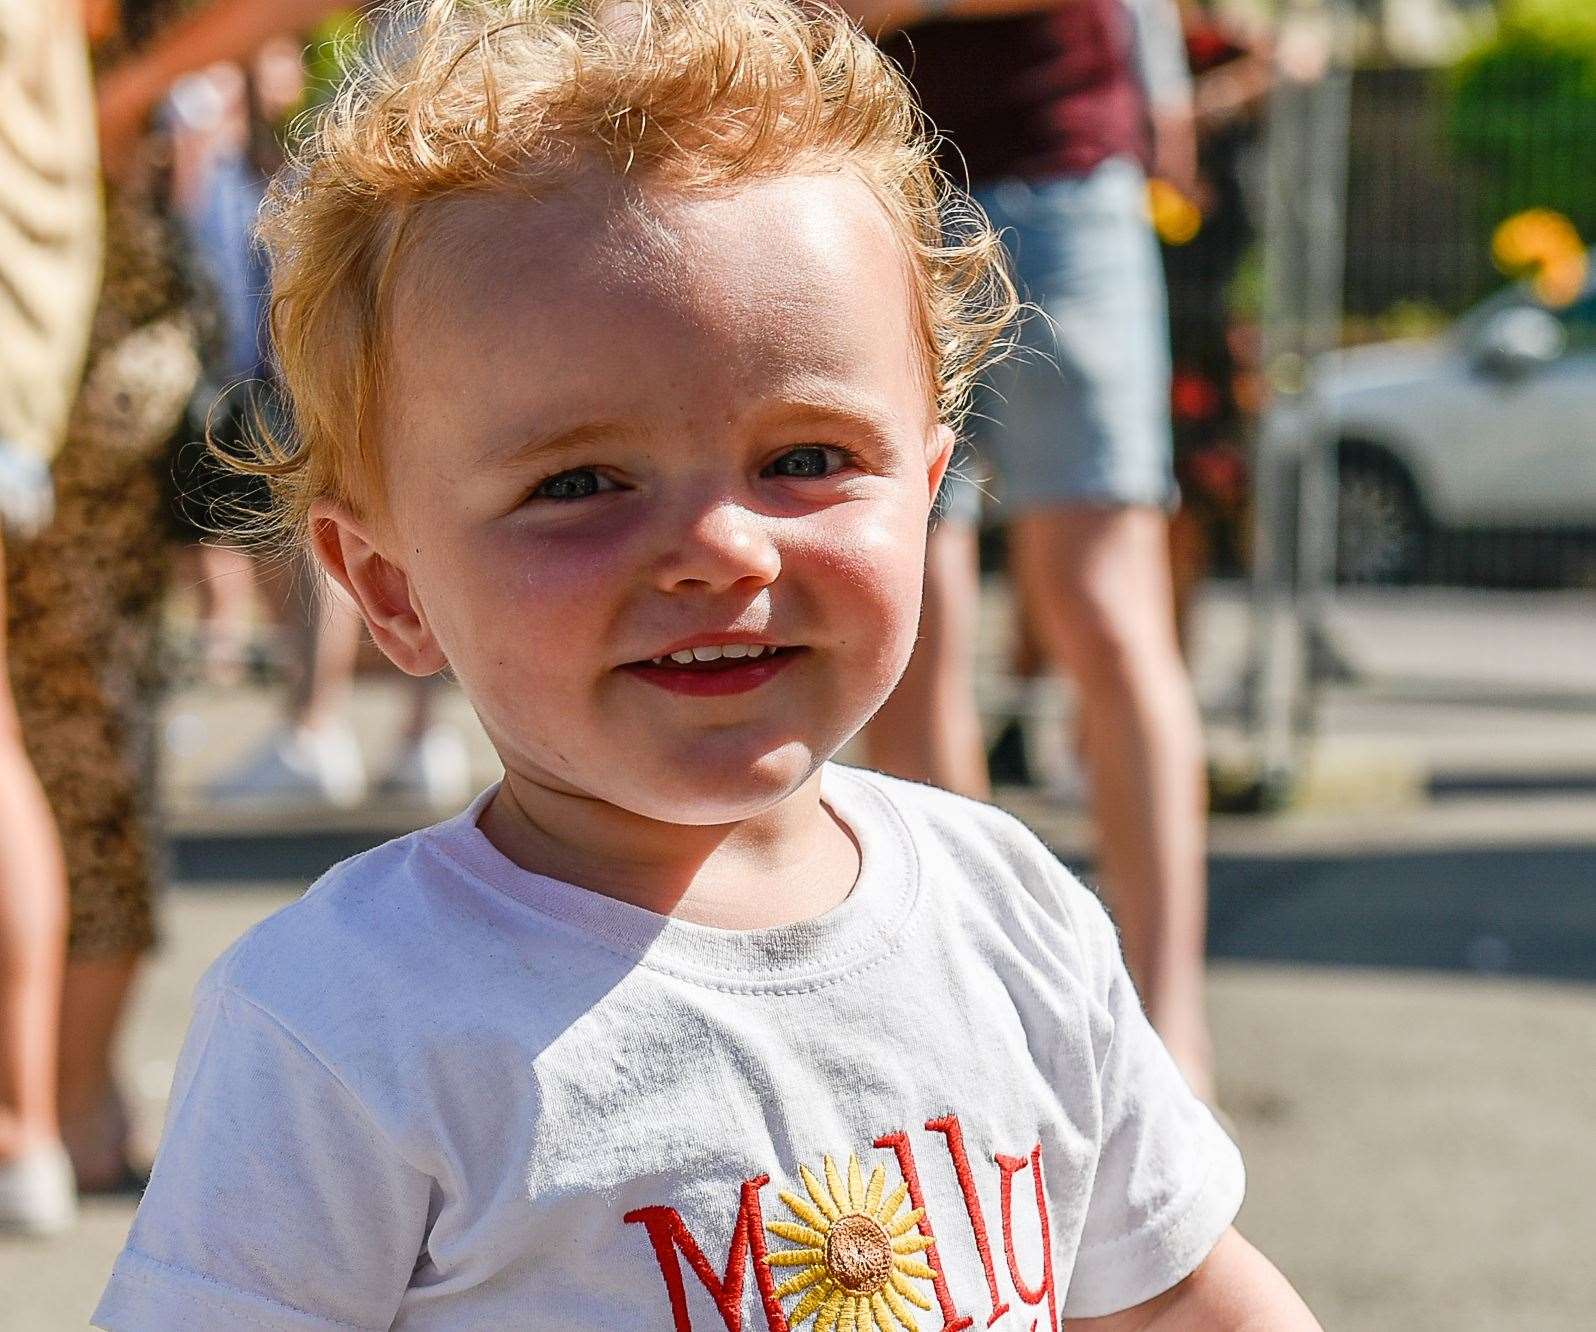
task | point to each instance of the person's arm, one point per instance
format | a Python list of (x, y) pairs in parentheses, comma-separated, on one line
[(221, 30), (1234, 89), (1166, 81), (1236, 1289)]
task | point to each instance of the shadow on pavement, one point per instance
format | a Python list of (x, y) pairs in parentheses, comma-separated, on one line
[(1513, 911)]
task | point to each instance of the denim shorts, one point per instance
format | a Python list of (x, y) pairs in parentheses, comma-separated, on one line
[(1079, 413)]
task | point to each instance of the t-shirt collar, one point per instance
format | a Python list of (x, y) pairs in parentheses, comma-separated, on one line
[(805, 954)]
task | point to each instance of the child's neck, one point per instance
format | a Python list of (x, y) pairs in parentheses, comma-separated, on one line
[(792, 862)]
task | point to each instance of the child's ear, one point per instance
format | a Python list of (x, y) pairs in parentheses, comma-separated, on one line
[(382, 589), (939, 453)]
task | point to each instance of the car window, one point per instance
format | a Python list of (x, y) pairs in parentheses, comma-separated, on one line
[(1579, 323), (1470, 324), (1578, 319)]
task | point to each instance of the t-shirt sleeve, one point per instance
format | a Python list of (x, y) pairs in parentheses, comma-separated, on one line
[(276, 1201), (1160, 51), (1169, 1181)]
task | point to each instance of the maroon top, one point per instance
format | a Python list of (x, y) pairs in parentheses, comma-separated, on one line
[(1033, 95)]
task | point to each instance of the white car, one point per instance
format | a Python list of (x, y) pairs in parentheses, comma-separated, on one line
[(1483, 439)]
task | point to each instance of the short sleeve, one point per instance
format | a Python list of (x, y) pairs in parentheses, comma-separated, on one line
[(1161, 54), (275, 1201), (1169, 1181)]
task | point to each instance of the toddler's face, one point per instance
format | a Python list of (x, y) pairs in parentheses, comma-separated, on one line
[(619, 438)]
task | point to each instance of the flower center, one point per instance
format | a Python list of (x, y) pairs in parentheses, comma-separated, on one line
[(858, 1254)]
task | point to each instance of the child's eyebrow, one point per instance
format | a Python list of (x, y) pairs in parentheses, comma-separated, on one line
[(861, 412), (574, 439), (858, 411)]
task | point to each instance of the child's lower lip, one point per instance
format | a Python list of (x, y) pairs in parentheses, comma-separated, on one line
[(733, 678)]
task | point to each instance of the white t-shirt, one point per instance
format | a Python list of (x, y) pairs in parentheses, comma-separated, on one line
[(443, 1092)]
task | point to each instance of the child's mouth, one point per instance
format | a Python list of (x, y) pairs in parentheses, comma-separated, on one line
[(732, 668)]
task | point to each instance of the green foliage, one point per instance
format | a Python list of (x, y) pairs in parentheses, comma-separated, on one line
[(329, 47), (1523, 110), (1402, 319)]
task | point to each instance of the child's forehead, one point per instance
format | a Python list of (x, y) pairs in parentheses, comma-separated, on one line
[(601, 232), (655, 306)]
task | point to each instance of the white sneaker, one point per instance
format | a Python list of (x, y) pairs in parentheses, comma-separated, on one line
[(38, 1195), (433, 769), (298, 764), (1047, 716)]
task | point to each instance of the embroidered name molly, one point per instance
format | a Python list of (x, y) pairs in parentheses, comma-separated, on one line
[(863, 1257)]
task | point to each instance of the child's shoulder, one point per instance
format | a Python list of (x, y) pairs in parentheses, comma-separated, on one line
[(360, 910), (400, 927), (986, 875), (981, 847), (945, 816)]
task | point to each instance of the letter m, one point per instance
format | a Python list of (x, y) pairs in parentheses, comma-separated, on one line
[(667, 1232)]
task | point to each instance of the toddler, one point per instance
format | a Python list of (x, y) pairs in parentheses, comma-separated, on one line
[(624, 350)]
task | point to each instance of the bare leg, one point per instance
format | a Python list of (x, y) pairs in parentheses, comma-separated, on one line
[(1097, 581), (226, 588), (330, 635), (1189, 558), (1030, 659), (929, 730), (93, 1118), (33, 924), (313, 753)]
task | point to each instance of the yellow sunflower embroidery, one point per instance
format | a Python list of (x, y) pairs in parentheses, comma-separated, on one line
[(855, 1254)]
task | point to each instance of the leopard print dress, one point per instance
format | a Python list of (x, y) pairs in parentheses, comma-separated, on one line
[(84, 596)]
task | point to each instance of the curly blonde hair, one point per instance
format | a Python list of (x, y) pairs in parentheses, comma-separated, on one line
[(523, 95)]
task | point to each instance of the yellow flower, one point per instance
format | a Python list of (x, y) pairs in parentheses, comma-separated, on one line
[(855, 1254), (1175, 218), (1545, 247)]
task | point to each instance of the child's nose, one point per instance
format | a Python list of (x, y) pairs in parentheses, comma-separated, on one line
[(718, 547)]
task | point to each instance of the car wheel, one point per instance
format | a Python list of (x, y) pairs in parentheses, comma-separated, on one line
[(1379, 529)]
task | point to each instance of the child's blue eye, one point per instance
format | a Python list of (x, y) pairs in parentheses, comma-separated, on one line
[(812, 460), (578, 483)]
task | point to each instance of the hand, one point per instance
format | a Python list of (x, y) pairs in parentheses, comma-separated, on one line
[(1175, 150)]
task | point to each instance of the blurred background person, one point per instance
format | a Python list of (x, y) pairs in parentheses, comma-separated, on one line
[(223, 148), (84, 598), (1055, 109), (229, 124), (84, 594), (49, 269)]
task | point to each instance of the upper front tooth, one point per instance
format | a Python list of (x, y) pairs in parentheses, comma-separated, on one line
[(734, 650), (684, 656), (706, 654), (756, 649)]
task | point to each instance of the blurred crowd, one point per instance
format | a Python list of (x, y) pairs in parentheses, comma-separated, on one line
[(136, 137)]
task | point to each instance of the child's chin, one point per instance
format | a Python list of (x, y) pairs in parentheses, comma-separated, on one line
[(725, 789)]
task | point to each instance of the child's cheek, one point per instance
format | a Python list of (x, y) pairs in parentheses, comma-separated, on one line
[(872, 567), (876, 542), (529, 567), (528, 593)]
